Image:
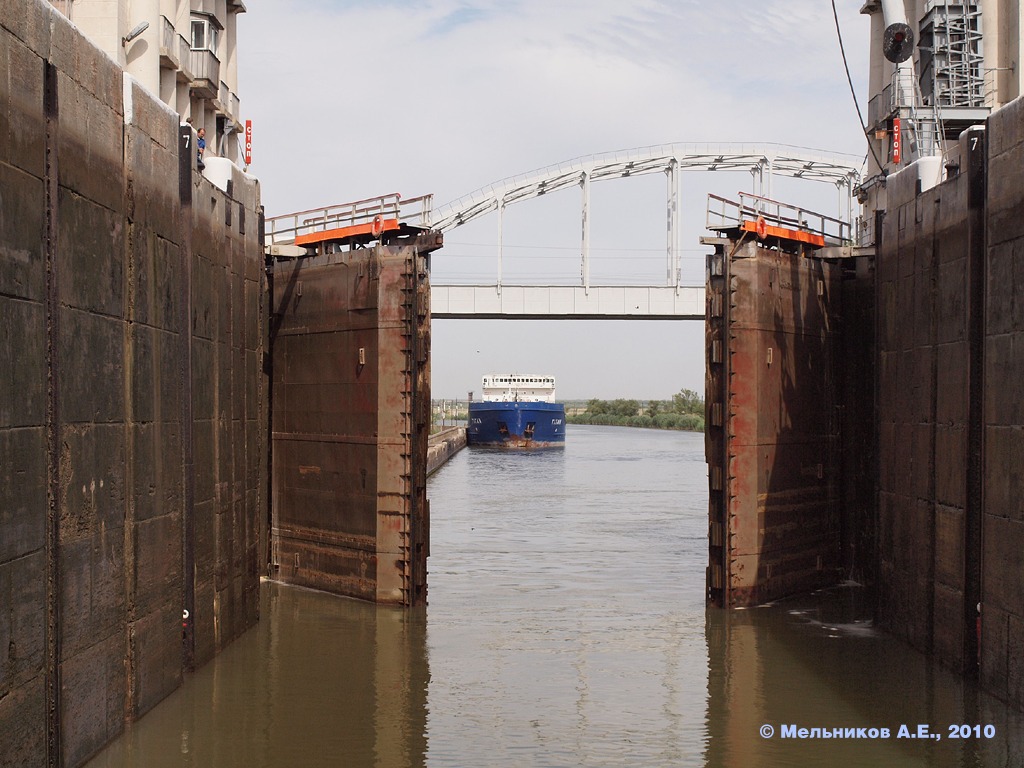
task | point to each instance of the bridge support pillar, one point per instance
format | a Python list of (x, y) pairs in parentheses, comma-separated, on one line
[(673, 266), (585, 235)]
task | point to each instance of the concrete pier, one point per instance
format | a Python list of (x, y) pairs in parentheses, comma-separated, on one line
[(443, 445)]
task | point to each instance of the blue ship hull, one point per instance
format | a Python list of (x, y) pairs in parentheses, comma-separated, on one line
[(516, 425)]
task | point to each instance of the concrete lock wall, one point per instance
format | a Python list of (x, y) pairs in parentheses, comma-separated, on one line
[(932, 359), (925, 488), (350, 337), (1002, 520), (951, 430), (131, 405)]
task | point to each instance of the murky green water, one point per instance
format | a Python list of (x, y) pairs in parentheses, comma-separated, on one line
[(566, 627)]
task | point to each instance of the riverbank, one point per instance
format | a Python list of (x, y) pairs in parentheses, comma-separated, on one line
[(685, 422)]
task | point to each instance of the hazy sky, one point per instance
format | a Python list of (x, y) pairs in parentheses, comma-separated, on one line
[(354, 99)]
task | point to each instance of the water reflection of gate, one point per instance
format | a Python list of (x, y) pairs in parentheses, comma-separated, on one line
[(321, 681), (817, 662), (346, 682)]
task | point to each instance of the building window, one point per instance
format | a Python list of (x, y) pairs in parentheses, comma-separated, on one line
[(204, 35)]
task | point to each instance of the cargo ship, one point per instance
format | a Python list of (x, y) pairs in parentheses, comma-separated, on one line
[(517, 412)]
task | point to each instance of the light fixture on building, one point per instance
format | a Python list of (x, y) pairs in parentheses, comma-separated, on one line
[(134, 33)]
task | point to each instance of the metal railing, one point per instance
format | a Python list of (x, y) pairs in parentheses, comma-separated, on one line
[(958, 61), (881, 107), (900, 92), (902, 97), (415, 211), (865, 231), (996, 80), (725, 214)]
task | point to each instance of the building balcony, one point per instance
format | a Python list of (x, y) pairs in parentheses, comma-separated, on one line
[(169, 53), (227, 106), (222, 99), (205, 74), (64, 6), (185, 59), (899, 95)]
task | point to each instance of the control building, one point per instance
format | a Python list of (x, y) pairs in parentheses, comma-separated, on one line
[(937, 67), (184, 51)]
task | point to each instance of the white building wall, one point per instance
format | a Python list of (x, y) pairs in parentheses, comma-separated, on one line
[(102, 21), (142, 54), (171, 76)]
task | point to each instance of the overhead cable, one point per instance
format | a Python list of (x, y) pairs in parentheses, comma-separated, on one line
[(853, 92)]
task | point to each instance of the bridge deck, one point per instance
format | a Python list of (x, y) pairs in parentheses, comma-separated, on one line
[(567, 302)]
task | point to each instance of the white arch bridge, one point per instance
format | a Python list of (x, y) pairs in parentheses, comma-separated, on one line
[(669, 300)]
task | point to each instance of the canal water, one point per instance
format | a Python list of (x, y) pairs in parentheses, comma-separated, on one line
[(566, 626)]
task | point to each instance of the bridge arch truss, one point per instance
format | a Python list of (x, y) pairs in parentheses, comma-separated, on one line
[(763, 161)]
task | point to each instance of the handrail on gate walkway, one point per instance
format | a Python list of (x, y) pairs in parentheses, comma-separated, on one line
[(773, 219), (368, 218)]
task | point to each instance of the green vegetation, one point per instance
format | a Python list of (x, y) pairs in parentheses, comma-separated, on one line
[(448, 413), (684, 411)]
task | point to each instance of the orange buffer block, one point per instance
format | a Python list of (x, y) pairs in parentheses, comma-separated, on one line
[(769, 230), (374, 228)]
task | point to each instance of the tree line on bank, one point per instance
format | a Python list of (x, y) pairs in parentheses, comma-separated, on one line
[(684, 411)]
